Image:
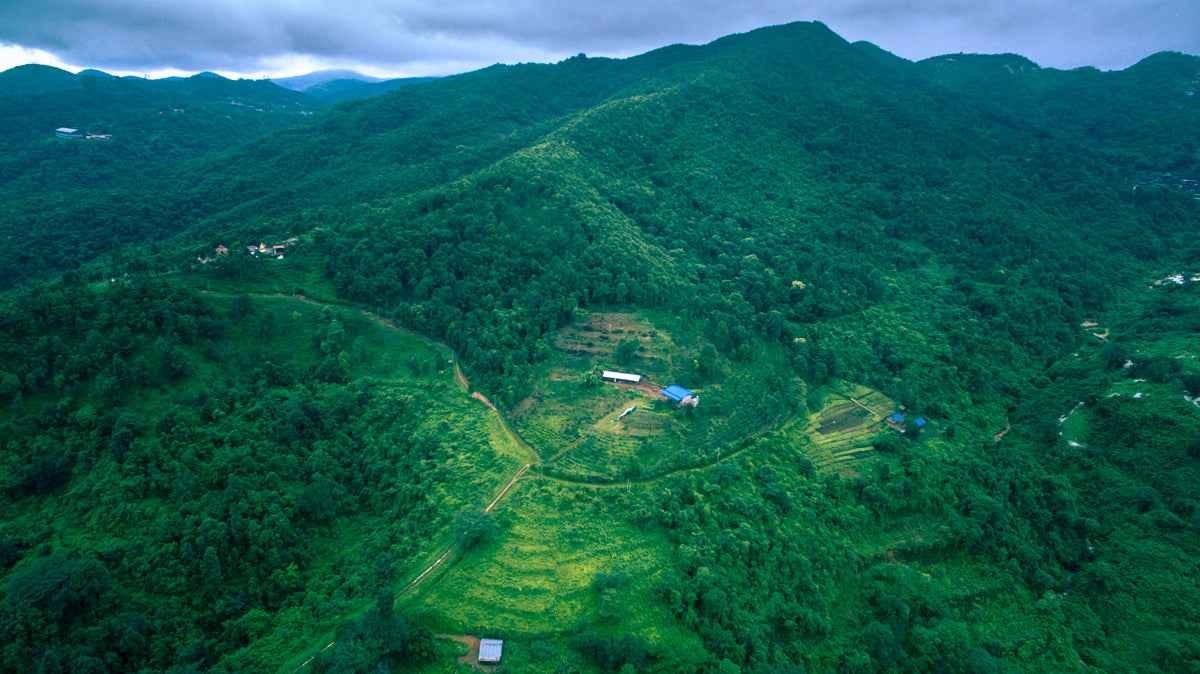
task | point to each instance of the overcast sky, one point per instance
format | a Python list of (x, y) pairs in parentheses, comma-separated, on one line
[(397, 38)]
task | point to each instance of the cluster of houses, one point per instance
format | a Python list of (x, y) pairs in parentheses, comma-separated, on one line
[(1178, 279), (896, 421), (68, 133), (275, 251), (1172, 181)]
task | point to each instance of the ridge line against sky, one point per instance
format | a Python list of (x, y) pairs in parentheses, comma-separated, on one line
[(405, 38)]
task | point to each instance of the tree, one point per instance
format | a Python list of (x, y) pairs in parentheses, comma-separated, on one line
[(385, 601), (10, 384), (626, 351), (912, 430), (173, 361), (727, 667), (1146, 498), (50, 663), (473, 527), (141, 375), (707, 362), (108, 392), (210, 572)]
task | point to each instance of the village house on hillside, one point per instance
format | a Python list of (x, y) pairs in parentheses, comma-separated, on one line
[(897, 419), (275, 250)]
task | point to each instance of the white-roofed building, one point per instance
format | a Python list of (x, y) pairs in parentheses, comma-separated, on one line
[(490, 650), (609, 375)]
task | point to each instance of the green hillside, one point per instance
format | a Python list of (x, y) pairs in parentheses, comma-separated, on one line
[(941, 318), (66, 202)]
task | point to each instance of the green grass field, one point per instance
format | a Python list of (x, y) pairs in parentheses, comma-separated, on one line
[(300, 273), (535, 580)]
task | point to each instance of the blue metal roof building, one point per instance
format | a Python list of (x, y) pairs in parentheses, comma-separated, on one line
[(896, 418), (676, 393)]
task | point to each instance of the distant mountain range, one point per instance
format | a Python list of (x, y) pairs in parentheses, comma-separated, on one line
[(322, 78), (328, 87), (334, 86)]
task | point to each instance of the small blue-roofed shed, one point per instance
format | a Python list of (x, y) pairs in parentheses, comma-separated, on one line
[(676, 393), (920, 422), (896, 418)]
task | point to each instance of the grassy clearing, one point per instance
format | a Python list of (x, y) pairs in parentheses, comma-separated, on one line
[(300, 272), (571, 418), (918, 538), (841, 432), (537, 577), (594, 341), (445, 659)]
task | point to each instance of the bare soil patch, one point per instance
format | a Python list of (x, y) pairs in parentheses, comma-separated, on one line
[(645, 386), (483, 399), (472, 656)]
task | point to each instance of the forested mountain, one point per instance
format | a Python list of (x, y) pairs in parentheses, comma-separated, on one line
[(321, 78), (67, 201), (815, 235), (338, 86), (341, 91)]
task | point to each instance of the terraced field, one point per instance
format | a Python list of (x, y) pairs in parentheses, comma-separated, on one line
[(548, 435), (538, 575), (843, 430)]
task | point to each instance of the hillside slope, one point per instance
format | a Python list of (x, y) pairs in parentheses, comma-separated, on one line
[(815, 235), (67, 201)]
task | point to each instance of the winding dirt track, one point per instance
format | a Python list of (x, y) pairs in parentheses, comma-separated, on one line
[(1007, 427)]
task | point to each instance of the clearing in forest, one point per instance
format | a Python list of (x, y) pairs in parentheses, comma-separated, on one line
[(574, 419), (844, 427), (566, 556)]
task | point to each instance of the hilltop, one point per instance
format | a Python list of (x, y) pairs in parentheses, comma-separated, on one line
[(323, 77), (339, 86), (395, 425)]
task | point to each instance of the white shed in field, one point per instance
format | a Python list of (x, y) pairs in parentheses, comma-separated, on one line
[(490, 650), (609, 375)]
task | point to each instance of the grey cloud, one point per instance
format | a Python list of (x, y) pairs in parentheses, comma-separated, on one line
[(242, 35)]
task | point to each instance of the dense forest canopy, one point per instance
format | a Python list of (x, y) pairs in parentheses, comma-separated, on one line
[(70, 201), (1002, 258)]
